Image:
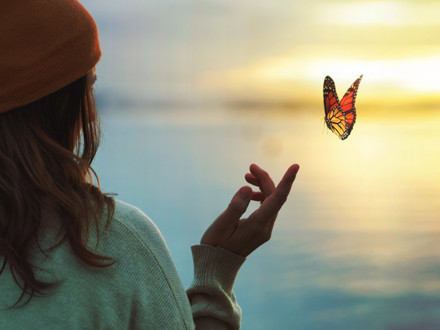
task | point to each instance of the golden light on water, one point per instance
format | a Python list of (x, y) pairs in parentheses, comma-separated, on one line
[(383, 178)]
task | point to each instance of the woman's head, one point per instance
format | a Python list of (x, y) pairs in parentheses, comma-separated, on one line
[(46, 151), (49, 132)]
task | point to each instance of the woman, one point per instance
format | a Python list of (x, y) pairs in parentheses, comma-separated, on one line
[(71, 256)]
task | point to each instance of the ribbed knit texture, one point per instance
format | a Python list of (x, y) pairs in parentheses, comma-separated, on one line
[(212, 300), (141, 291), (44, 46), (215, 263)]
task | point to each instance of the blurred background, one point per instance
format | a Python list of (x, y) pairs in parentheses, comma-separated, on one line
[(192, 92)]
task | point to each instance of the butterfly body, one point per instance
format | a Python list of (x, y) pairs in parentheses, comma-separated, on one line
[(340, 116)]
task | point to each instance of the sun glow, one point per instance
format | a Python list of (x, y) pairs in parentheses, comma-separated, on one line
[(415, 74), (391, 13), (360, 13), (404, 78)]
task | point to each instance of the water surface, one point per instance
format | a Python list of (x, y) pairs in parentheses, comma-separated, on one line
[(355, 246)]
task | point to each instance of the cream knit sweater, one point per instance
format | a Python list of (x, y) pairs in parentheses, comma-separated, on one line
[(141, 291)]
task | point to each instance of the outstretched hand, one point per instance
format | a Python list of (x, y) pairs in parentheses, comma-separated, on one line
[(243, 236)]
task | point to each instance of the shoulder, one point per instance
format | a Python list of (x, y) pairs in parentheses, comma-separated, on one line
[(134, 227), (132, 218)]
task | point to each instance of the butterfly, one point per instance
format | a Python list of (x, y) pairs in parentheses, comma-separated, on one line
[(340, 116)]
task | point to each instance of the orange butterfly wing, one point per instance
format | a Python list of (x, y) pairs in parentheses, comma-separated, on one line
[(348, 104), (330, 96), (340, 116)]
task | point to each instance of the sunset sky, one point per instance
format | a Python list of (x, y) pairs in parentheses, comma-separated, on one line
[(259, 50)]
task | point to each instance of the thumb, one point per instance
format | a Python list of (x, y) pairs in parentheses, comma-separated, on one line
[(238, 205), (225, 225)]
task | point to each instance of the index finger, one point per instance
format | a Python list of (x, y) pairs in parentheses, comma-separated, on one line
[(275, 201)]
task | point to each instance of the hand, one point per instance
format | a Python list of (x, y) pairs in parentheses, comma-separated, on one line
[(243, 236)]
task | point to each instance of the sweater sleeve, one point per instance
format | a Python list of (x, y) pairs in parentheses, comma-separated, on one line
[(211, 296)]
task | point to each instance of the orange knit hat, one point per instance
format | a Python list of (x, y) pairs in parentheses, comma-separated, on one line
[(44, 46)]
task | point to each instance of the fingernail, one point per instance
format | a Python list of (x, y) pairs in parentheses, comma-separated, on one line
[(244, 193)]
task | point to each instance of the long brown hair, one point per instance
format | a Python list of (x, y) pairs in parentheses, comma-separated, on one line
[(46, 151)]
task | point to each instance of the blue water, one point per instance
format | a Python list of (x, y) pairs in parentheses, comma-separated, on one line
[(356, 244)]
